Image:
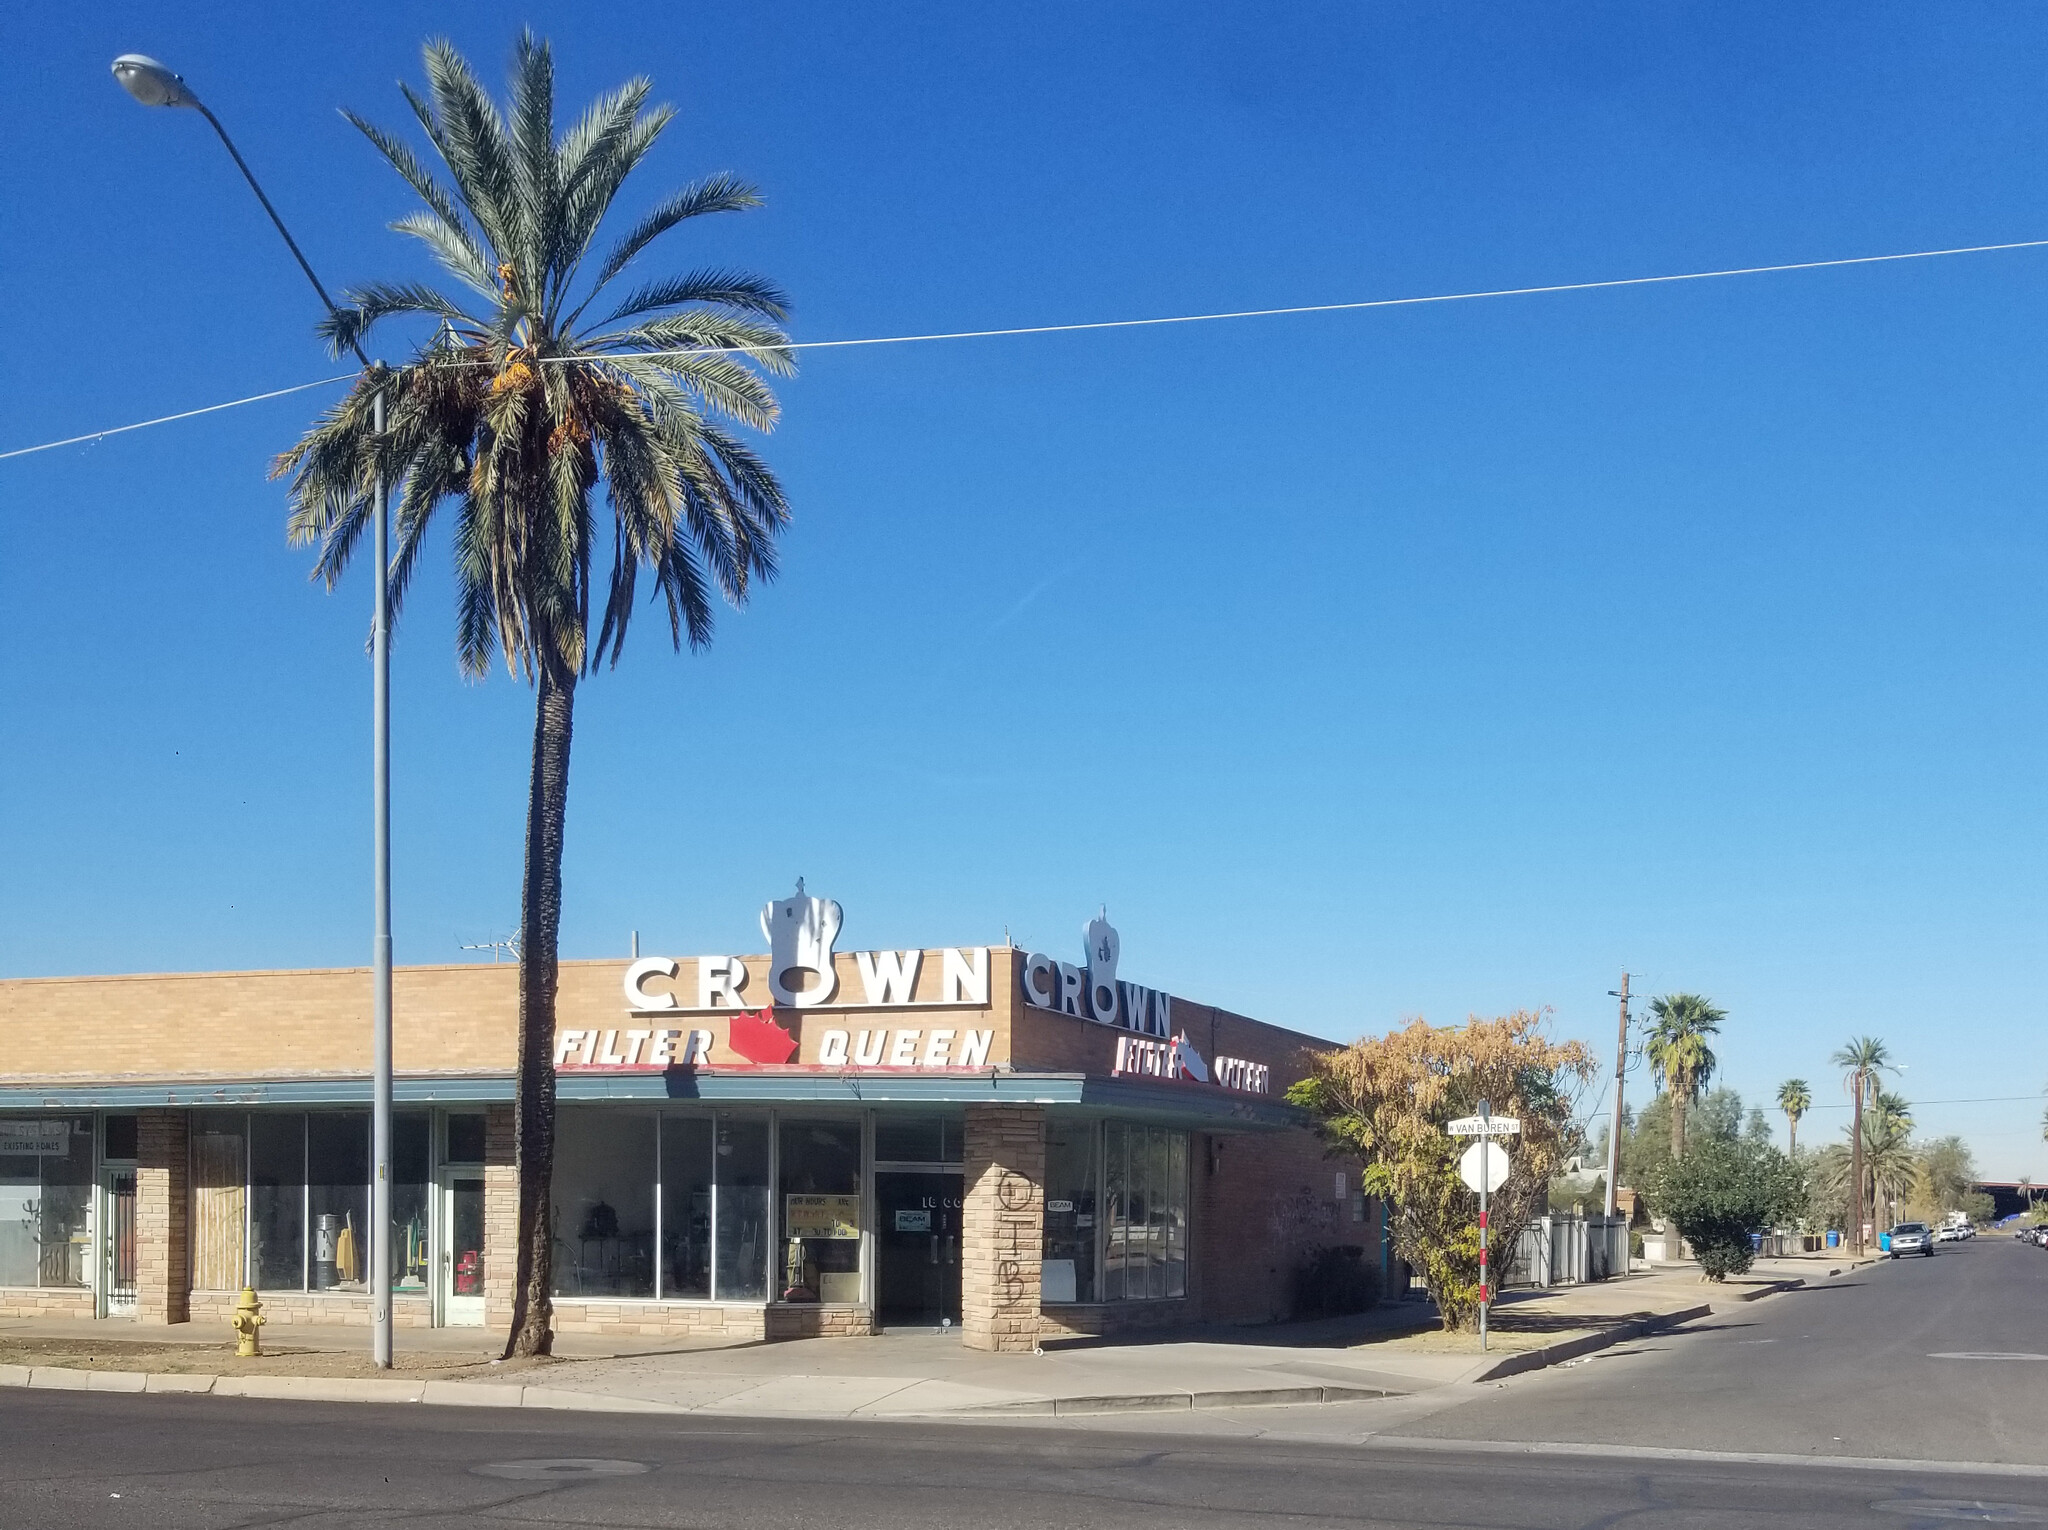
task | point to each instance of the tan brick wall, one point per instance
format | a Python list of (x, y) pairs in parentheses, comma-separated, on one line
[(1002, 1227), (310, 1309), (19, 1302), (501, 1219), (806, 1322), (162, 1210)]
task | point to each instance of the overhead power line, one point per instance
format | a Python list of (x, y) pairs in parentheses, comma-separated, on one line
[(1019, 331)]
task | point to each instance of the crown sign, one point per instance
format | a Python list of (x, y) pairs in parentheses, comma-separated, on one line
[(800, 933), (1103, 950)]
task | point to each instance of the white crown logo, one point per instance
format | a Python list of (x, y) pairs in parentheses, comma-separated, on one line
[(1103, 950), (800, 933)]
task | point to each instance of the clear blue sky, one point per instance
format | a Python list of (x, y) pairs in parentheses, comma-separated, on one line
[(1414, 662)]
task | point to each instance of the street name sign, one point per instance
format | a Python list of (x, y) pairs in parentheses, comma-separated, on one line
[(1484, 1126)]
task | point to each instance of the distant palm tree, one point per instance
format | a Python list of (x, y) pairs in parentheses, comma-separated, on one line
[(1894, 1108), (518, 410), (1861, 1061), (1890, 1164), (1679, 1054), (1795, 1099)]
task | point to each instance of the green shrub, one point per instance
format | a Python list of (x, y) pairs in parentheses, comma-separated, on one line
[(1721, 1192), (1336, 1281)]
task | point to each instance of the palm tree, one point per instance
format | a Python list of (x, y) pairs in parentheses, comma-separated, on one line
[(1889, 1161), (1862, 1060), (530, 394), (1679, 1054), (1795, 1099)]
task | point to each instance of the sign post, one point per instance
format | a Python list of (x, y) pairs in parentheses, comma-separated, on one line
[(1485, 1168), (1485, 1274)]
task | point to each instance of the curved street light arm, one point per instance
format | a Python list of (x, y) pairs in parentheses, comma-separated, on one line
[(291, 243)]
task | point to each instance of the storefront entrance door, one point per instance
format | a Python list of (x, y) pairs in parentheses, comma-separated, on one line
[(117, 1217), (462, 1248), (917, 1231)]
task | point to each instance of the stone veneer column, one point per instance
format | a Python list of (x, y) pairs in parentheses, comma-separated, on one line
[(163, 1200), (501, 1218), (1002, 1227)]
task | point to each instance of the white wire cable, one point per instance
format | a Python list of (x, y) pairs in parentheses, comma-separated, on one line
[(167, 419), (1103, 324), (1400, 302)]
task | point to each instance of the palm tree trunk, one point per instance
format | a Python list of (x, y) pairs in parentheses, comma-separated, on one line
[(533, 1099), (1791, 1135), (1856, 1164), (1678, 1103)]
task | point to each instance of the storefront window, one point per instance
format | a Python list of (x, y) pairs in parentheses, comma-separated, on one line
[(821, 1211), (219, 1199), (917, 1139), (123, 1138), (740, 1207), (603, 1196), (277, 1199), (686, 1191), (1145, 1188), (338, 1200), (466, 1138), (411, 1133), (45, 1201), (1070, 1230)]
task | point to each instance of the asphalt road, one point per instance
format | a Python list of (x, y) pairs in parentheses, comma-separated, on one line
[(1867, 1364), (1841, 1372)]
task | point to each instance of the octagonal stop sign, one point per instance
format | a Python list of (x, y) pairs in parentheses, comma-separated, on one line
[(1484, 1165)]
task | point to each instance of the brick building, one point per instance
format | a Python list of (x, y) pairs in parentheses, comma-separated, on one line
[(798, 1142)]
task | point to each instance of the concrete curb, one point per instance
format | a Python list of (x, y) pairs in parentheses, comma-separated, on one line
[(478, 1394), (454, 1394), (1167, 1402)]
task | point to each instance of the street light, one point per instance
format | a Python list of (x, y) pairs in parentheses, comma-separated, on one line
[(155, 84)]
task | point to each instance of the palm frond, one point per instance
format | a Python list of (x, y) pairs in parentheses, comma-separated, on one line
[(714, 194)]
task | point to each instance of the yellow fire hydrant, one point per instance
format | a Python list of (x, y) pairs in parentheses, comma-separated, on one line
[(246, 1322)]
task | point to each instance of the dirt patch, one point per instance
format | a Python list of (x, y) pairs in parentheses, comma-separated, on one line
[(277, 1360), (1498, 1341)]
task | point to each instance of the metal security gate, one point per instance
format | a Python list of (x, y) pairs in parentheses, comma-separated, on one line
[(119, 1200)]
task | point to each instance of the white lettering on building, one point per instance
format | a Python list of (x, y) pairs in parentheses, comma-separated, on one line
[(890, 977), (1095, 992), (1239, 1073), (867, 1049), (644, 1049), (888, 980)]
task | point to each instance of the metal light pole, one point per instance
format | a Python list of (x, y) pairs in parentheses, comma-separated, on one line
[(154, 84)]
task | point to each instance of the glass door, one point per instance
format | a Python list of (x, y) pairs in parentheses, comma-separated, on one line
[(917, 1234), (462, 1248), (117, 1216)]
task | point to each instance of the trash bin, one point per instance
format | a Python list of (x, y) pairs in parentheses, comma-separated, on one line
[(326, 1251), (1834, 1237)]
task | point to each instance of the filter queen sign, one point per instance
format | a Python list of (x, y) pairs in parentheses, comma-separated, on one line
[(735, 1026)]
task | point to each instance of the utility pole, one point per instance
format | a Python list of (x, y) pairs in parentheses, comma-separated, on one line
[(1614, 1132), (1856, 1160)]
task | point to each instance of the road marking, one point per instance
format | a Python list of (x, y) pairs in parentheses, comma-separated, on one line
[(1665, 1453), (561, 1468), (1985, 1354), (1971, 1509)]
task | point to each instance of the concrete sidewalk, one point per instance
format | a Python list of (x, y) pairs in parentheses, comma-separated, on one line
[(1395, 1350)]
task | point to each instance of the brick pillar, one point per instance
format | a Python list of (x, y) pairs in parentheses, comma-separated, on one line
[(1003, 1227), (501, 1218), (163, 1202)]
